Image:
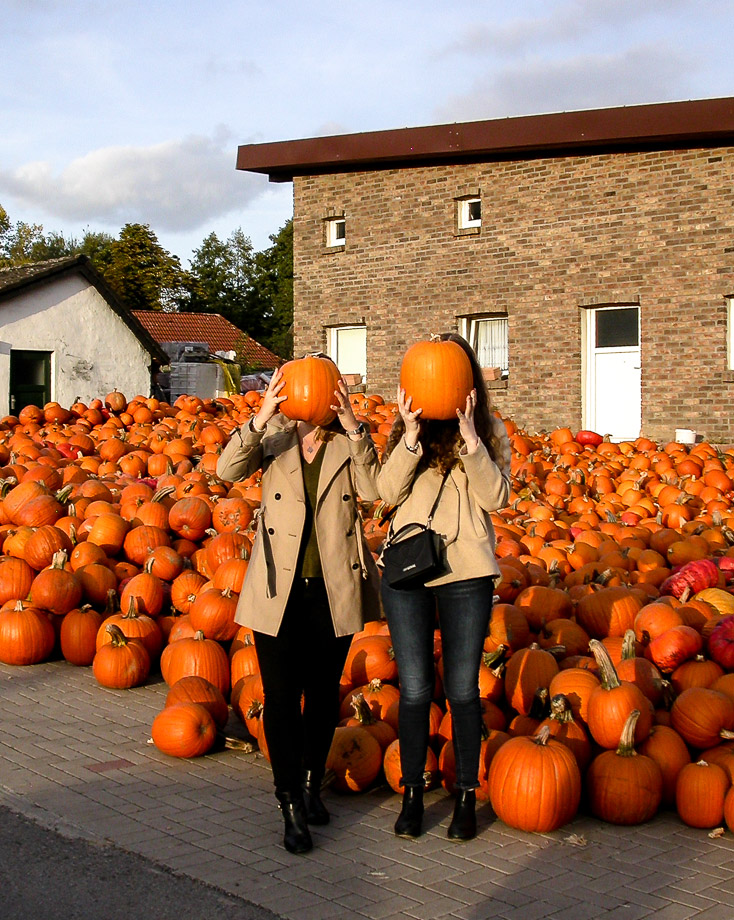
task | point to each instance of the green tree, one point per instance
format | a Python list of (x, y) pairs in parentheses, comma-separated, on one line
[(97, 247), (222, 276), (254, 291), (273, 292), (18, 241), (143, 273)]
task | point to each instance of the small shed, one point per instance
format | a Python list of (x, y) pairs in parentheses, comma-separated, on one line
[(65, 335)]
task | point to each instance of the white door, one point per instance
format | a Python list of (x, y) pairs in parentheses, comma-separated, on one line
[(613, 404)]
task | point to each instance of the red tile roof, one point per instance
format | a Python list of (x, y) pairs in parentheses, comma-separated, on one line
[(212, 328)]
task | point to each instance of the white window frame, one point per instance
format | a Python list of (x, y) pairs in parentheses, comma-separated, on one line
[(464, 219), (336, 232), (333, 348), (730, 333), (469, 328)]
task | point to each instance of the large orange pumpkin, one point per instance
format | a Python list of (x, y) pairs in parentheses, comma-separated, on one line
[(534, 783), (438, 376), (309, 384)]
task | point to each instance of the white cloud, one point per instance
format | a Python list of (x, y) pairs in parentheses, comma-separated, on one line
[(539, 85), (175, 185)]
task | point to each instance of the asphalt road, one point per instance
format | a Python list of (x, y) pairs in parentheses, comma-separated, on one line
[(46, 875)]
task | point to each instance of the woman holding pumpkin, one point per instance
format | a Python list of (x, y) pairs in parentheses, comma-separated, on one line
[(452, 457), (311, 581)]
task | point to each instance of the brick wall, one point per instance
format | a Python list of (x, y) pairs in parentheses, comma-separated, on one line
[(558, 234)]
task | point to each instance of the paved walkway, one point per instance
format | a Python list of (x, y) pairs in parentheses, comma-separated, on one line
[(74, 756)]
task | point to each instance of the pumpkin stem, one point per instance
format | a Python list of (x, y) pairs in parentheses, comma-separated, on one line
[(626, 747), (63, 494), (132, 609), (6, 485), (164, 491), (542, 736), (255, 709), (560, 708), (111, 605), (609, 678), (496, 660), (117, 636), (59, 559), (237, 744), (628, 645), (538, 707), (362, 712)]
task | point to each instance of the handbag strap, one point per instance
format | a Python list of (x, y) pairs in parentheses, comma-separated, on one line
[(435, 503), (391, 532)]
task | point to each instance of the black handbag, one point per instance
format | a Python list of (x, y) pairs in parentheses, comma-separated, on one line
[(412, 560)]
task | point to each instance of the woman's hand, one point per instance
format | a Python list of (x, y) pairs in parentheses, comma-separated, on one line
[(467, 429), (271, 400), (343, 408), (410, 418)]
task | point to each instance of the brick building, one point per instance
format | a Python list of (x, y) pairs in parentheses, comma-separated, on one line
[(588, 255)]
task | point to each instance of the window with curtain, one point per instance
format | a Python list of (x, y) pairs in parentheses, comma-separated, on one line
[(489, 337)]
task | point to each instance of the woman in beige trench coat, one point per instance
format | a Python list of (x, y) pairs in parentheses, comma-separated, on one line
[(310, 585)]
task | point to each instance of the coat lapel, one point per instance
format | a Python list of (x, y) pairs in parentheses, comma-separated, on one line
[(284, 450)]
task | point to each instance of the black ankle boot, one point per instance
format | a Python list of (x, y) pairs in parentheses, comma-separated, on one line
[(464, 823), (410, 819), (297, 838), (316, 812)]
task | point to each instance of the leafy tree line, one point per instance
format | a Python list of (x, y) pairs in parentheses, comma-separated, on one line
[(253, 290)]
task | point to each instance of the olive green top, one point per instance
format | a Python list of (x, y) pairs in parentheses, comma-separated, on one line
[(309, 558)]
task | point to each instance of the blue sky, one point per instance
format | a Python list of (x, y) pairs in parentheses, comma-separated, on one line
[(133, 110)]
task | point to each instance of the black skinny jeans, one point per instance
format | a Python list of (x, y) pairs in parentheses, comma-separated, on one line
[(304, 659)]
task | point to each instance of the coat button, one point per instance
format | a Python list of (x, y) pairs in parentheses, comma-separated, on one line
[(345, 498), (271, 530), (277, 496), (355, 565)]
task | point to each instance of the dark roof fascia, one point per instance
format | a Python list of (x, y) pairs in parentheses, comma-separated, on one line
[(661, 125), (80, 264)]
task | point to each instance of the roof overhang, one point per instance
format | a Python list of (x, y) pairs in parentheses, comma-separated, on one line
[(694, 123)]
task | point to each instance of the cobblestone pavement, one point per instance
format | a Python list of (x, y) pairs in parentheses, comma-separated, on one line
[(74, 756)]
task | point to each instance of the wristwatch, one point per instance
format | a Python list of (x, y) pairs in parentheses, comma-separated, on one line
[(358, 430)]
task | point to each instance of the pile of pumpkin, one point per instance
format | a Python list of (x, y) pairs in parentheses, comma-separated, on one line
[(608, 677)]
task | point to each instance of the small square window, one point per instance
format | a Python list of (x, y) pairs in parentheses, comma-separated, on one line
[(469, 213), (336, 231)]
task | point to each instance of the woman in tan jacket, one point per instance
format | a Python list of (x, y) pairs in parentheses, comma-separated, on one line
[(310, 584), (473, 453)]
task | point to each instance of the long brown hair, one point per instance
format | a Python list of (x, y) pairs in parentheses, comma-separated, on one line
[(441, 440)]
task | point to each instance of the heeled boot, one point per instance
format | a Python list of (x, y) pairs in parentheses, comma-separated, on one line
[(297, 838), (464, 823), (410, 819), (316, 812)]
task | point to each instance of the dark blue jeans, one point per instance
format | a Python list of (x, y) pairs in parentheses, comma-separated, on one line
[(464, 609)]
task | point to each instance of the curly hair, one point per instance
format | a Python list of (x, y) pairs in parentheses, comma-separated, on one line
[(441, 440)]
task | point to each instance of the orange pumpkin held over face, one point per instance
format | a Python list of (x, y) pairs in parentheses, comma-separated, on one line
[(438, 376), (309, 384)]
